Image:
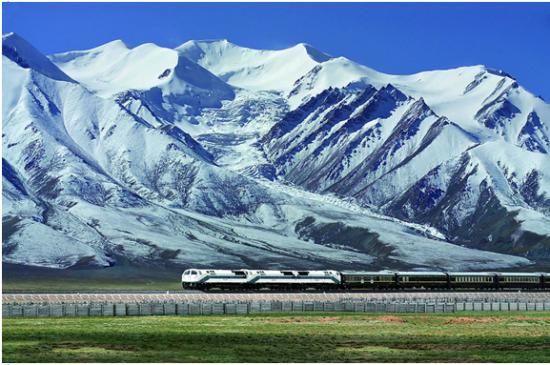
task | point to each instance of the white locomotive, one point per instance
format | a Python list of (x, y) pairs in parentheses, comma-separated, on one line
[(205, 279)]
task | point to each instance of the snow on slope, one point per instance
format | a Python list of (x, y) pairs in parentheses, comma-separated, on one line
[(253, 69), (301, 72), (114, 68), (486, 143), (26, 56), (158, 157)]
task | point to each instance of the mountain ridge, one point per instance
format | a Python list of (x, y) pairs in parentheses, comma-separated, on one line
[(230, 158)]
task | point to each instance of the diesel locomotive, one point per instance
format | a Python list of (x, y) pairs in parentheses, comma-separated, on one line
[(332, 280)]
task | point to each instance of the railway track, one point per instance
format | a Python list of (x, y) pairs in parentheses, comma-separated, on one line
[(22, 298)]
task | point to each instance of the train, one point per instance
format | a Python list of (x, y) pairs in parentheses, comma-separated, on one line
[(333, 280)]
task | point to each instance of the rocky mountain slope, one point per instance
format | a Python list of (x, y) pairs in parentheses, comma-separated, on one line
[(212, 154)]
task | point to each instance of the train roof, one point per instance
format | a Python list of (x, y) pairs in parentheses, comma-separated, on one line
[(465, 273), (520, 273), (421, 273), (385, 272)]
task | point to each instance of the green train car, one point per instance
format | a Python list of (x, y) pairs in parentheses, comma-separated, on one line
[(432, 280)]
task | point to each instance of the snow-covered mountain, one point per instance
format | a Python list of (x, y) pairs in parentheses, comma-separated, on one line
[(212, 154)]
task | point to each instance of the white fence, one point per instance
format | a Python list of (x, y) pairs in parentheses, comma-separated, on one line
[(223, 308)]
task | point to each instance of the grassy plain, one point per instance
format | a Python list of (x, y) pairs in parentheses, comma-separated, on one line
[(26, 279), (315, 337)]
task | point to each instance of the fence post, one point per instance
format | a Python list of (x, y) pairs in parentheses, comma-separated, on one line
[(6, 310)]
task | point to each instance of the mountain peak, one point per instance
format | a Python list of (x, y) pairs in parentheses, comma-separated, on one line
[(9, 35), (314, 53), (117, 43), (254, 69), (499, 72), (114, 68), (223, 43), (205, 44), (211, 40), (25, 55)]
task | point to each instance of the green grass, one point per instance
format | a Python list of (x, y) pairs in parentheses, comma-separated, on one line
[(315, 337)]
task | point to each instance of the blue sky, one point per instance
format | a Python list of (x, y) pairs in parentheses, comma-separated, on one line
[(390, 37)]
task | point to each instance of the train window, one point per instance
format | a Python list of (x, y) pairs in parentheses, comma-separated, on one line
[(260, 272), (426, 278), (519, 279), (472, 279), (240, 274), (287, 273), (193, 272), (303, 273)]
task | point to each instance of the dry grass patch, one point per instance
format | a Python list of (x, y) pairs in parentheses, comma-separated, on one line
[(391, 319), (474, 320)]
